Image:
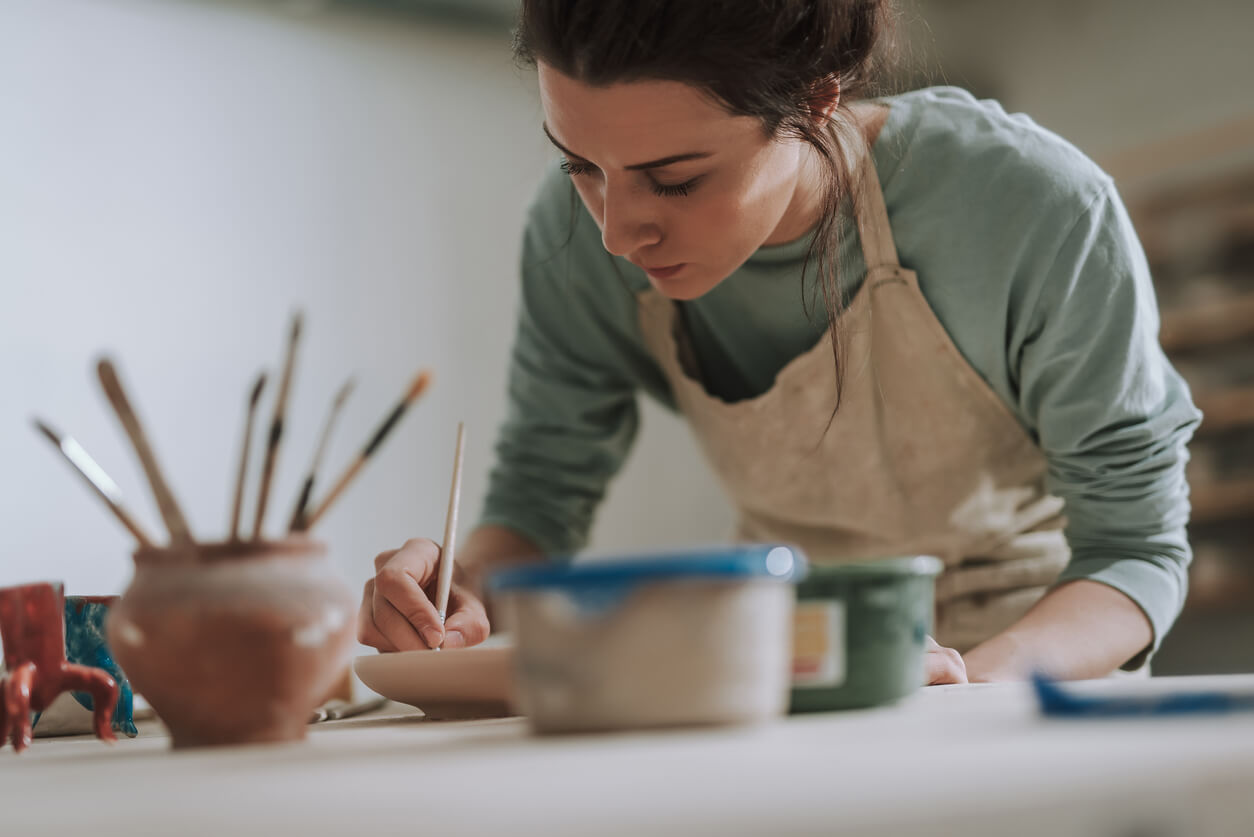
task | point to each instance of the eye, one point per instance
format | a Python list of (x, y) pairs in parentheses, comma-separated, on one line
[(676, 191), (576, 167)]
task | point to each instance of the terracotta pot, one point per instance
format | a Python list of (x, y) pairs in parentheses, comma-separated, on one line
[(234, 643)]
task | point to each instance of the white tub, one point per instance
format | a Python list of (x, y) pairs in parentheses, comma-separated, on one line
[(664, 640)]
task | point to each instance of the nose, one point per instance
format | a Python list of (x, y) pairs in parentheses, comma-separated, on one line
[(627, 224)]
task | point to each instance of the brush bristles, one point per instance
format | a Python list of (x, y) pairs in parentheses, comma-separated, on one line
[(257, 388), (48, 431), (342, 395), (419, 384)]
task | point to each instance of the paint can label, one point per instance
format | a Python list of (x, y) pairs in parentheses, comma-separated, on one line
[(818, 657)]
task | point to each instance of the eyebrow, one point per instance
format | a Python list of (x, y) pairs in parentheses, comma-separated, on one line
[(652, 164)]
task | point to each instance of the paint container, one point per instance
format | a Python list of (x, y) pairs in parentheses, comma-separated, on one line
[(859, 633), (693, 637)]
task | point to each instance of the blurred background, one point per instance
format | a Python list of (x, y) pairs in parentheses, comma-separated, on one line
[(179, 176)]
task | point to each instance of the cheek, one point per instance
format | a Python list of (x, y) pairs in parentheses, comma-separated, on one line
[(744, 212), (767, 187), (711, 222)]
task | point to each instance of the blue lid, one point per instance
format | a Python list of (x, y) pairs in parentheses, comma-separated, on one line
[(772, 561)]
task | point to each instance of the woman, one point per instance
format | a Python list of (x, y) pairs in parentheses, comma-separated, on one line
[(986, 386)]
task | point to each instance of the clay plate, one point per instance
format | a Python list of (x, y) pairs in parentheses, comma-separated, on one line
[(450, 684)]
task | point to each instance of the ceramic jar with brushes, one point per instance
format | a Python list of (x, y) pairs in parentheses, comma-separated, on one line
[(236, 641)]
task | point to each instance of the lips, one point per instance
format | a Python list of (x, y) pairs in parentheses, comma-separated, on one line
[(664, 271)]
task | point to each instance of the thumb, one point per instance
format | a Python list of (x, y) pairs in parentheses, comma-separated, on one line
[(467, 622)]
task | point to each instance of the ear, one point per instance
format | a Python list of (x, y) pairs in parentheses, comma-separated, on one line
[(824, 98)]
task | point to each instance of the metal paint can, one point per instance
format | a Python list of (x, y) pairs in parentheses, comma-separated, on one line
[(859, 632)]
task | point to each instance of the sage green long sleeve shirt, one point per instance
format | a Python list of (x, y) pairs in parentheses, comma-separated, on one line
[(1026, 255)]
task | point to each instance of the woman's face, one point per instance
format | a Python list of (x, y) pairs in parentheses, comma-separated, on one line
[(677, 185)]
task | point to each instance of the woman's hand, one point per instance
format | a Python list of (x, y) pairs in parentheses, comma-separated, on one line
[(397, 613), (942, 665)]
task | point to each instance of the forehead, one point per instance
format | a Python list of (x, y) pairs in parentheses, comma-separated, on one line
[(625, 123)]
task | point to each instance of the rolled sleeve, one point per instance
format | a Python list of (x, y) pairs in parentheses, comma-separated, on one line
[(1112, 416)]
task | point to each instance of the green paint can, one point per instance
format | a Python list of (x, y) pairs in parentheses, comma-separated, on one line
[(859, 632)]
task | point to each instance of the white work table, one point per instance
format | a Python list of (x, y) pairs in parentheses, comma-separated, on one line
[(958, 760)]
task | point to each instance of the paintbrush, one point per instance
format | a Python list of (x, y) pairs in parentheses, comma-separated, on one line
[(238, 506), (416, 388), (444, 582), (276, 425), (180, 535), (302, 503), (106, 488)]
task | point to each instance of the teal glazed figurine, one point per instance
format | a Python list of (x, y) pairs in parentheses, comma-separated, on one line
[(32, 627), (85, 644)]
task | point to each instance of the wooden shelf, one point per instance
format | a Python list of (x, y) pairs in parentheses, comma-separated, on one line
[(1191, 199), (1220, 590), (1210, 324), (1218, 501), (1219, 577), (1225, 409)]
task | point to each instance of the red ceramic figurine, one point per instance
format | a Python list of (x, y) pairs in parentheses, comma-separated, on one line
[(32, 626)]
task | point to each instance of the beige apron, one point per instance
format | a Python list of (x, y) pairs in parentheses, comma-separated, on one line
[(921, 458)]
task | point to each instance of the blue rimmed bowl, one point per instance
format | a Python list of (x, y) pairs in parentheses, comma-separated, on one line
[(664, 639)]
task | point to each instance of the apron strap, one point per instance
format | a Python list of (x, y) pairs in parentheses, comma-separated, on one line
[(872, 215)]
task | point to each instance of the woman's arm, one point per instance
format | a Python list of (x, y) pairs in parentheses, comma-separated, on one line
[(1113, 419), (1082, 629), (491, 548)]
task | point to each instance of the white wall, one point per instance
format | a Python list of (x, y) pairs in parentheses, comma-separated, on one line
[(177, 177)]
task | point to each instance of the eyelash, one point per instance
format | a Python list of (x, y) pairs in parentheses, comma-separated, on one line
[(675, 191)]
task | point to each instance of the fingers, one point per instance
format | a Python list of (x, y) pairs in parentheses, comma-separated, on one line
[(397, 613), (942, 665), (367, 632), (467, 622), (420, 555), (383, 557), (402, 611)]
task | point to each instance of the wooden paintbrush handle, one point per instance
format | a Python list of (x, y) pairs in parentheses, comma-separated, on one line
[(107, 491), (416, 389), (276, 426), (104, 487), (444, 583), (180, 534)]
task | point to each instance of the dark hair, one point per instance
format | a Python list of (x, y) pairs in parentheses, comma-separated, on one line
[(781, 61)]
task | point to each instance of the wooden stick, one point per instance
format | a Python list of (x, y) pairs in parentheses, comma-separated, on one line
[(238, 506), (95, 476), (444, 582), (180, 534), (302, 502), (276, 426), (416, 387)]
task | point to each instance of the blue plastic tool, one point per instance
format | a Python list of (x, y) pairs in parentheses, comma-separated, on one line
[(1058, 701)]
